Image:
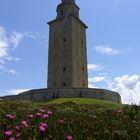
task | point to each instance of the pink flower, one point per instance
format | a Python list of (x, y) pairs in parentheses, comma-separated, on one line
[(11, 138), (119, 111), (42, 129), (94, 117), (69, 137), (45, 116), (49, 113), (38, 114), (17, 127), (18, 135), (42, 110), (61, 121), (30, 116), (25, 123), (117, 131), (10, 116), (43, 124), (8, 133)]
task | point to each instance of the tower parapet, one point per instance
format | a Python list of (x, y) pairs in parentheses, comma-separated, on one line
[(66, 8)]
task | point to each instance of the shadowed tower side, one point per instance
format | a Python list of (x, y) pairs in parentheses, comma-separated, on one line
[(67, 61)]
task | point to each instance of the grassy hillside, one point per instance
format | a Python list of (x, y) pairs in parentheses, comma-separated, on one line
[(69, 119), (82, 101), (87, 101)]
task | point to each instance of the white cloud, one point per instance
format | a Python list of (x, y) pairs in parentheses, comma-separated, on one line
[(31, 35), (127, 82), (107, 50), (3, 43), (10, 58), (8, 42), (92, 86), (12, 71), (15, 91), (2, 61), (41, 39), (94, 67), (15, 39), (97, 79), (128, 86), (1, 67)]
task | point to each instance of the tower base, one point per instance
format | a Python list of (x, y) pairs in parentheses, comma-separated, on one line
[(47, 94)]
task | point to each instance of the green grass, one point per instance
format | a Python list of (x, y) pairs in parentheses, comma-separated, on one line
[(84, 119), (98, 104), (66, 104), (84, 101)]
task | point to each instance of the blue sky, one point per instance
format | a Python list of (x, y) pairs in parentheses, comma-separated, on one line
[(113, 44)]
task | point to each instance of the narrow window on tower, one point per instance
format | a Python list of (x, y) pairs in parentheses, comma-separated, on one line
[(82, 42), (83, 84), (64, 69), (61, 13), (64, 39), (64, 84)]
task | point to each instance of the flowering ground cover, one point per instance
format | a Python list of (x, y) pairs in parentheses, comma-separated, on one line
[(68, 120)]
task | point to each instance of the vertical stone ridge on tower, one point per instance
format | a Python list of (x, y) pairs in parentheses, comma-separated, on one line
[(67, 61)]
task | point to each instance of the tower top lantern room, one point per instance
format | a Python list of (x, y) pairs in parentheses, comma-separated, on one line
[(68, 1)]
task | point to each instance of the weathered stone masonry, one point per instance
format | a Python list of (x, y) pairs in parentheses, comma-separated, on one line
[(67, 65), (46, 94)]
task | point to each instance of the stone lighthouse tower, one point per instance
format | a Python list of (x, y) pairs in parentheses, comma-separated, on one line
[(67, 61)]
